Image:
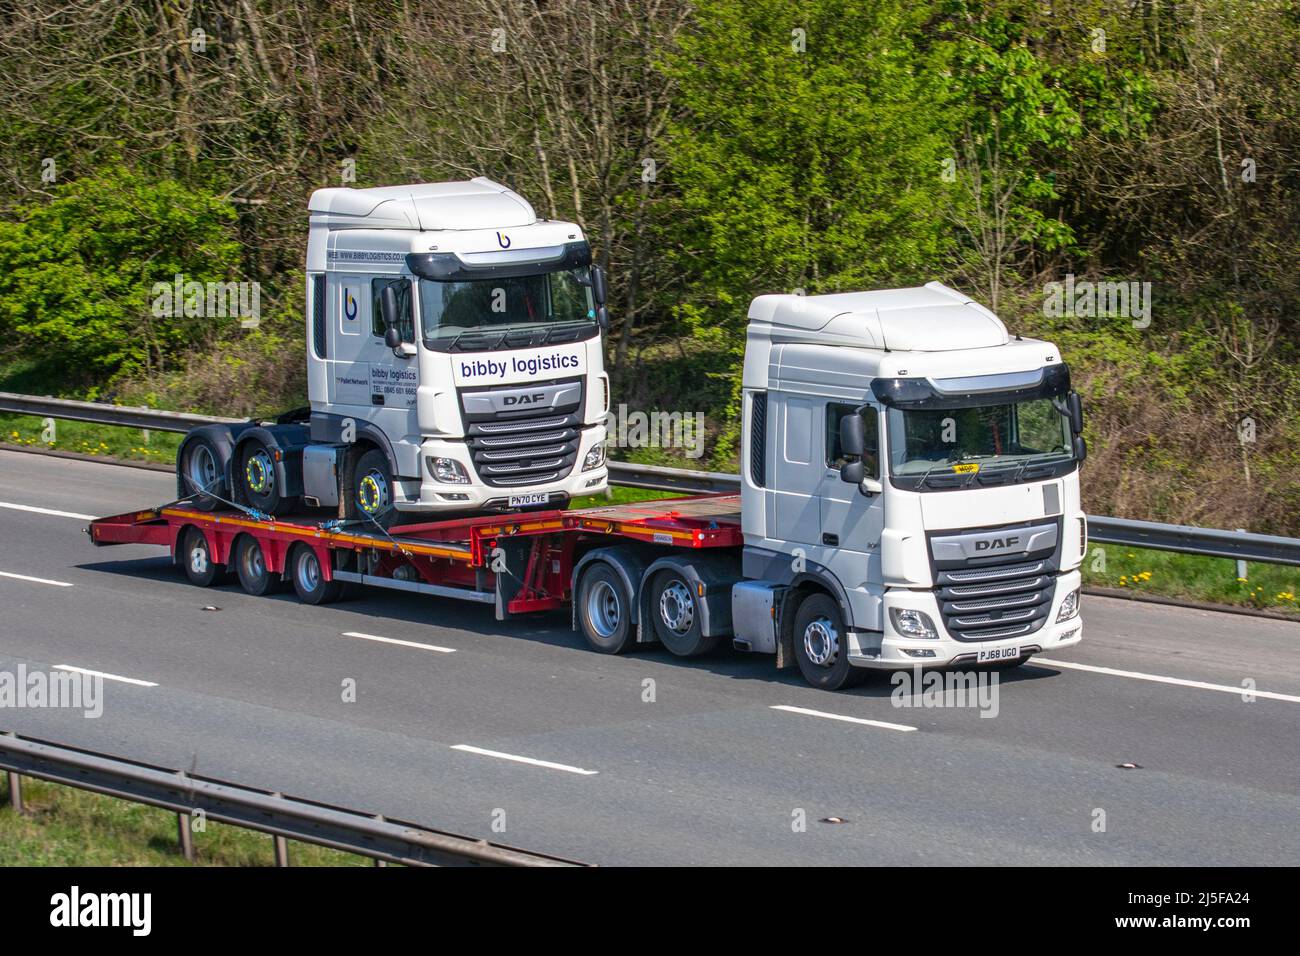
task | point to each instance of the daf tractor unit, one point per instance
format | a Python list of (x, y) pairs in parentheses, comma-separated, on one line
[(908, 497), (454, 364)]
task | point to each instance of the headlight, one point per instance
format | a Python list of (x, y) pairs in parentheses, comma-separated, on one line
[(911, 623), (447, 470), (595, 457), (1069, 607)]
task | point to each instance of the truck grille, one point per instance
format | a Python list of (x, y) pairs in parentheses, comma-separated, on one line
[(512, 447), (991, 603)]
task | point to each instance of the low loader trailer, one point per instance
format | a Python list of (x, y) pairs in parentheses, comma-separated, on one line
[(909, 497)]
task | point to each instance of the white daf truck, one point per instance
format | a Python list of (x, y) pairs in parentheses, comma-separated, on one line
[(910, 472), (454, 364)]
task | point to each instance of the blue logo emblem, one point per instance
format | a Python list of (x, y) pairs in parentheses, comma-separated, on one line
[(349, 306), (503, 241)]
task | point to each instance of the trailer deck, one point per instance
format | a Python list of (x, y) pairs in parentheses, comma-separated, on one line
[(520, 562)]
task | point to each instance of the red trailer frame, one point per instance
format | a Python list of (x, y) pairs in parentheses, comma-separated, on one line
[(452, 558)]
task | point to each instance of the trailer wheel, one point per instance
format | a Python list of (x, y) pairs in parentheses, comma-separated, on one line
[(604, 610), (201, 471), (309, 578), (371, 496), (250, 565), (677, 619), (195, 557), (821, 644), (256, 474)]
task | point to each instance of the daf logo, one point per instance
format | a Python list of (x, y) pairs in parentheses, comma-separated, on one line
[(523, 399), (997, 544)]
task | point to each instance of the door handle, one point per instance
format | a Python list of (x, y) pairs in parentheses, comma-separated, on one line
[(376, 399), (828, 538)]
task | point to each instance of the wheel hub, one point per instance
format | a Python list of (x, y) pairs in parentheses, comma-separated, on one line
[(260, 473), (309, 572), (821, 642), (203, 468), (198, 559), (677, 608), (372, 493), (603, 609)]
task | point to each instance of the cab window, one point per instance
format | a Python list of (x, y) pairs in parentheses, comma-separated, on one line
[(835, 457)]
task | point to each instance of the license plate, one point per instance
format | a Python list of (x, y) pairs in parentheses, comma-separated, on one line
[(534, 498), (997, 654)]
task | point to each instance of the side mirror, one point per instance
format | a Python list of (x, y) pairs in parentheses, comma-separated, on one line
[(598, 288), (1074, 405), (853, 435), (602, 318), (1080, 449), (854, 472), (388, 309)]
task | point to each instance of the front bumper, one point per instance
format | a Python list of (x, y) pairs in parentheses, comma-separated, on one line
[(898, 652), (429, 496)]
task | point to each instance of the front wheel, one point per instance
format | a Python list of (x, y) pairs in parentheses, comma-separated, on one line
[(604, 610), (821, 644), (371, 497)]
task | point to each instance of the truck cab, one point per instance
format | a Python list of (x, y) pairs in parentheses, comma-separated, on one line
[(908, 459)]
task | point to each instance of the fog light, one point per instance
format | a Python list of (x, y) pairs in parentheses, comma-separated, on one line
[(447, 470), (918, 652), (912, 623), (1069, 607), (595, 457)]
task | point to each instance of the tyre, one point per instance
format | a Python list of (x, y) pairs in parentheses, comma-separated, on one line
[(309, 579), (371, 495), (200, 469), (675, 609), (195, 557), (821, 644), (604, 610), (258, 481), (250, 565)]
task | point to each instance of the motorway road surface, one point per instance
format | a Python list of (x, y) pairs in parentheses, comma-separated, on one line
[(706, 772)]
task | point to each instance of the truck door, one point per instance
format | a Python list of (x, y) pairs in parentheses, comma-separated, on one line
[(796, 472), (367, 380), (851, 521)]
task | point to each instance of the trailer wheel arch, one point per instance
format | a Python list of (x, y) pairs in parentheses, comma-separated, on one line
[(630, 566)]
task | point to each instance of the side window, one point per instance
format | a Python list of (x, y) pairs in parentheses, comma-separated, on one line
[(835, 457), (405, 322)]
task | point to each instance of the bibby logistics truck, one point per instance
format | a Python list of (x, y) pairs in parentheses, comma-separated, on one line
[(454, 364), (909, 495)]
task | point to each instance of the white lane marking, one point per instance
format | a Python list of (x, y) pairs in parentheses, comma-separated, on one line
[(851, 720), (393, 640), (528, 760), (1157, 678), (117, 677), (47, 511), (24, 577)]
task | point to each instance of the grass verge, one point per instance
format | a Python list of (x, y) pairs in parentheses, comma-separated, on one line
[(89, 438), (63, 826)]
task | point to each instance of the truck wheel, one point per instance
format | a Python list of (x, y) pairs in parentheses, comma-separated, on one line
[(604, 610), (200, 470), (372, 490), (309, 579), (821, 644), (677, 618), (250, 565), (194, 555), (257, 479)]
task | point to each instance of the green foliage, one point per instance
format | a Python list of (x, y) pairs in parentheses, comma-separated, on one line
[(77, 272)]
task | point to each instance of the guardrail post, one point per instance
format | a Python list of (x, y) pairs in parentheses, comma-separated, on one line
[(379, 818), (1241, 564), (15, 791), (186, 835), (281, 851)]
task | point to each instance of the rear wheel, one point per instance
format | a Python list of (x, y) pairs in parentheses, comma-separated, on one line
[(250, 565), (604, 610), (677, 618), (258, 480), (309, 578), (821, 644), (201, 472), (371, 498), (195, 557)]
